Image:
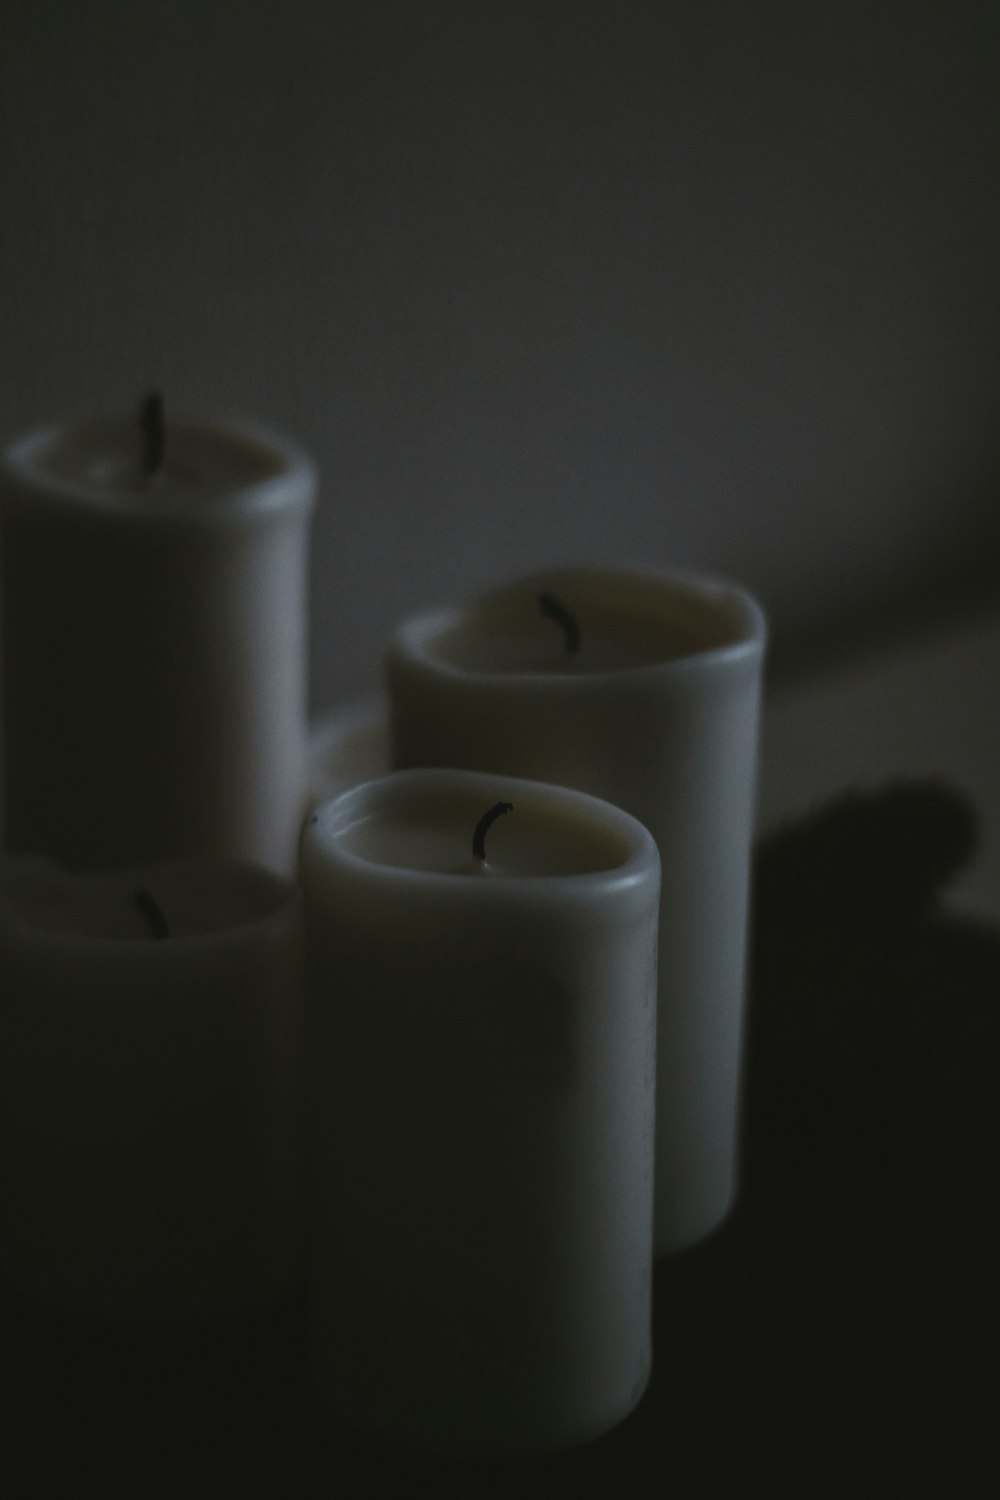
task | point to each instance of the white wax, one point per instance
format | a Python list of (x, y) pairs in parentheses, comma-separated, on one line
[(154, 644), (150, 1088), (626, 625), (480, 1088), (657, 713)]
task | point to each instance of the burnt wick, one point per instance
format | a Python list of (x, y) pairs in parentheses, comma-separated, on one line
[(551, 606), (485, 823), (154, 433), (153, 912)]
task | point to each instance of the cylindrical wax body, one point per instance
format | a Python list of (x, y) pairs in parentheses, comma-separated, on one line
[(153, 638), (657, 712), (480, 1094), (150, 1089)]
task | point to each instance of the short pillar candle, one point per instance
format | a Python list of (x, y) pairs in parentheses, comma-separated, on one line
[(153, 636), (150, 1088), (480, 1102), (642, 689)]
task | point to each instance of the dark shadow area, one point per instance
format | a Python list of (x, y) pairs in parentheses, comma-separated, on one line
[(947, 595), (838, 1336)]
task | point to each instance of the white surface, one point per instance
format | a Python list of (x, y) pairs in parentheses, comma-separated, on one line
[(480, 1053), (929, 707), (150, 1089), (672, 741), (154, 644)]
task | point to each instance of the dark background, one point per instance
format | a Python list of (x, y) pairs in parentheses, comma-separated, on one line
[(711, 283)]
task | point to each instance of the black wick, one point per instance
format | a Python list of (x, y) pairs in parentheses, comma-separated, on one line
[(154, 433), (486, 822), (153, 913), (551, 606)]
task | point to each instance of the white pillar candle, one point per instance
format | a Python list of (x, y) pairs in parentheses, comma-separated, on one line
[(153, 640), (150, 1087), (480, 1088), (655, 710)]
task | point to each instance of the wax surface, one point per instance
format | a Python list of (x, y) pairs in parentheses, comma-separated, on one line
[(203, 465), (656, 713), (480, 1056), (526, 841), (154, 631), (150, 1089), (618, 630)]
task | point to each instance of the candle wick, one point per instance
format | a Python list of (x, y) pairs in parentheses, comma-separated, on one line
[(154, 433), (153, 913), (485, 822), (552, 607)]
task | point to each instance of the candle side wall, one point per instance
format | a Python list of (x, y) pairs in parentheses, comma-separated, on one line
[(154, 681), (481, 1120), (150, 1108), (675, 746)]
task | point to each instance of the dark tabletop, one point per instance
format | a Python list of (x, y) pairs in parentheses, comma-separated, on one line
[(838, 1336)]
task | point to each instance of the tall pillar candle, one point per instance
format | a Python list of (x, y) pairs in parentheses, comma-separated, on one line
[(644, 690), (480, 1094), (153, 638), (150, 1088)]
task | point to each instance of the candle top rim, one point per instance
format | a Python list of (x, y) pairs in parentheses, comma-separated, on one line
[(214, 470), (43, 901), (631, 849), (731, 624)]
